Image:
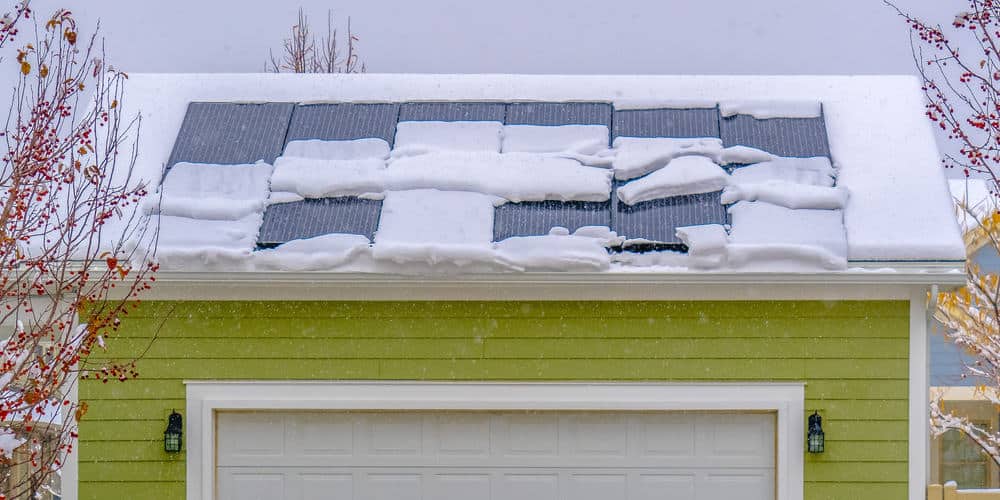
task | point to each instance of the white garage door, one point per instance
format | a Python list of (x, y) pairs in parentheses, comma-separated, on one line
[(495, 455)]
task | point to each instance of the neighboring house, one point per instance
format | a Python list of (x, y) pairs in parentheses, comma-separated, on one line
[(453, 287), (954, 457)]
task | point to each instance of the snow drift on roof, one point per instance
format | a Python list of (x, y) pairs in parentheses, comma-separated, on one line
[(357, 149), (217, 192), (881, 144)]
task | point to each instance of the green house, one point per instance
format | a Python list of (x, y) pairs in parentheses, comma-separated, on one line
[(528, 287)]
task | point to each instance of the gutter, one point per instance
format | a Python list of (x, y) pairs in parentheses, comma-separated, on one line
[(858, 283)]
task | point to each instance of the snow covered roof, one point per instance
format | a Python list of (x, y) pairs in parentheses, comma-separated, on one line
[(485, 173)]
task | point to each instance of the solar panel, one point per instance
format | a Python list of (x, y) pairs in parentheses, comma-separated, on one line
[(344, 121), (666, 123), (452, 111), (308, 218), (802, 137), (656, 221), (559, 113), (538, 217), (229, 134)]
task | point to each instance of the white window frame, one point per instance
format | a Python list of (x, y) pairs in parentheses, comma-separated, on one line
[(206, 398)]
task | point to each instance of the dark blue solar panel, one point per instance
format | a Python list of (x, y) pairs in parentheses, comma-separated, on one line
[(452, 111), (230, 134), (802, 137), (538, 217), (559, 113), (344, 121), (657, 220), (308, 218), (666, 123)]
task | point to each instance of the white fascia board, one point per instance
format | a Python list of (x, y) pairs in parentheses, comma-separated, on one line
[(870, 285)]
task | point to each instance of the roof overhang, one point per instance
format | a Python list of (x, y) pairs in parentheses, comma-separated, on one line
[(872, 281)]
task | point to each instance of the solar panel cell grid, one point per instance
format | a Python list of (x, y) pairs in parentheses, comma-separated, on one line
[(559, 113), (679, 123), (305, 219), (230, 134), (800, 137), (452, 111), (338, 122), (538, 218)]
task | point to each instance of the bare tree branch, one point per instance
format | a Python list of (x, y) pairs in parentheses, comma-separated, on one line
[(303, 53)]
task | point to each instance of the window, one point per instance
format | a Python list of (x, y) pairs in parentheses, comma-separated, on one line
[(962, 461)]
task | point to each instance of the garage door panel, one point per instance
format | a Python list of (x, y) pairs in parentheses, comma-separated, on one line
[(594, 435), (526, 486), (321, 435), (529, 435), (328, 486), (462, 435), (252, 485), (396, 434), (267, 429), (515, 455), (734, 485), (734, 437), (671, 435), (664, 487), (382, 486), (596, 486), (460, 486)]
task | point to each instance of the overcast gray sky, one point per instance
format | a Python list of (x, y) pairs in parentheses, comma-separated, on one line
[(522, 36)]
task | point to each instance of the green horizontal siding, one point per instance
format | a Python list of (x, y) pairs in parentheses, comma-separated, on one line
[(851, 354)]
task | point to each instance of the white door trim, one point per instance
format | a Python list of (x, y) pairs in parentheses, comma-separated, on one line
[(205, 398)]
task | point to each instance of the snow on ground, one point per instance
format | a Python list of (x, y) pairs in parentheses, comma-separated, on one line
[(427, 137), (882, 145), (684, 175), (358, 149), (218, 192)]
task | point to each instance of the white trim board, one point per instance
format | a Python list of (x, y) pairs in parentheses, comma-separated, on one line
[(919, 435), (332, 287), (205, 398)]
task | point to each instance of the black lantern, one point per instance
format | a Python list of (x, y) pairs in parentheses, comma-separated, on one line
[(172, 436), (816, 438)]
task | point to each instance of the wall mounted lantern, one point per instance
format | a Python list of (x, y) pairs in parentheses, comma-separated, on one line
[(175, 431), (816, 439)]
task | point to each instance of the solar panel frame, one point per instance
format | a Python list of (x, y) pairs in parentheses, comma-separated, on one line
[(537, 218), (559, 113), (231, 133), (309, 218), (656, 221), (666, 122), (452, 111), (794, 137), (344, 121)]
